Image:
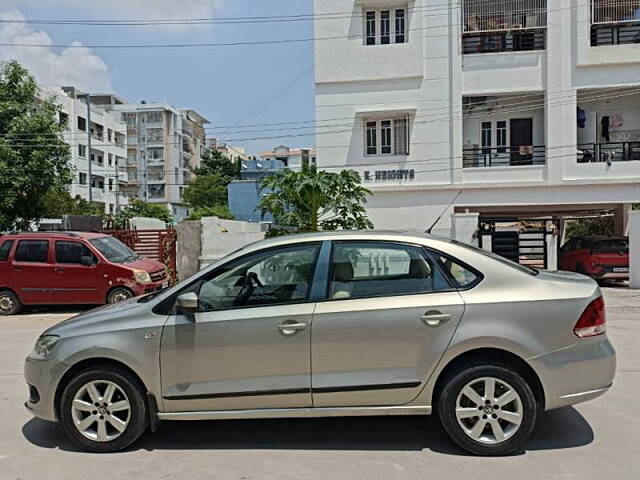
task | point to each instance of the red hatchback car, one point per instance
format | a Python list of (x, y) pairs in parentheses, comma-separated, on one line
[(49, 268), (599, 257)]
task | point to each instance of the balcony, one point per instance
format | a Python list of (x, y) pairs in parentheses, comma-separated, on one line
[(608, 152), (491, 26), (504, 156), (615, 22)]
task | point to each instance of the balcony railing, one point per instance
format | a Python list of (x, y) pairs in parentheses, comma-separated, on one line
[(608, 152), (515, 41), (614, 11), (496, 15), (504, 156)]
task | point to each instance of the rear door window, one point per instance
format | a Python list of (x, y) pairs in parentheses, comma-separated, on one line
[(72, 252), (36, 251), (459, 275), (378, 269), (5, 249)]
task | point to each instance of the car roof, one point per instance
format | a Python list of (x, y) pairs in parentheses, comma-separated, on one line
[(370, 235), (56, 235)]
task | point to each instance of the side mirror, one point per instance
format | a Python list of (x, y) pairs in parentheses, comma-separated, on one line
[(188, 302), (86, 261)]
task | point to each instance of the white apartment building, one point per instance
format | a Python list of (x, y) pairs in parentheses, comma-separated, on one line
[(108, 149), (164, 147), (290, 157), (233, 153), (506, 116)]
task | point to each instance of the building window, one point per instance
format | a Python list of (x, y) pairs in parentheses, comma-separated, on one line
[(392, 26), (501, 136), (82, 124), (393, 135), (155, 153), (400, 25), (64, 120), (370, 27), (82, 150), (372, 142), (153, 117), (110, 159), (486, 137), (82, 178), (111, 184), (156, 191)]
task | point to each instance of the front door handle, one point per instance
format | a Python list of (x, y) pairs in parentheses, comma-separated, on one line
[(435, 318), (291, 328)]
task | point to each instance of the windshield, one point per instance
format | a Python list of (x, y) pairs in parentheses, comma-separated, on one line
[(486, 253), (114, 250)]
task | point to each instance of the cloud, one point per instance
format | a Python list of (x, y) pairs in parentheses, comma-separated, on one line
[(127, 9), (79, 67)]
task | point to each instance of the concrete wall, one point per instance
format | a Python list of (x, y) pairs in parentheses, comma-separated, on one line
[(189, 248), (221, 237)]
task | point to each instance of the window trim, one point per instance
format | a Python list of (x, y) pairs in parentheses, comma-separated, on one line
[(420, 247), (55, 253)]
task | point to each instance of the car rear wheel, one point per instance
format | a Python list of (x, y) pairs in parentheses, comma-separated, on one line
[(103, 410), (9, 303), (119, 294), (488, 409)]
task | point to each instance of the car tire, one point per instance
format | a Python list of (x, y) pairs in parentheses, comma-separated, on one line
[(119, 294), (500, 426), (94, 426), (9, 303)]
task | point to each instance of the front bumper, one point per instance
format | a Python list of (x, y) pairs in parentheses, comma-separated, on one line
[(43, 376), (578, 373), (145, 289)]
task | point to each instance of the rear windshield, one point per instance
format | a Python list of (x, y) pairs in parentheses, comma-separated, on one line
[(505, 261), (613, 245), (113, 249)]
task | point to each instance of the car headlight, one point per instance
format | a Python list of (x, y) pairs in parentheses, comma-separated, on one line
[(142, 277), (43, 347)]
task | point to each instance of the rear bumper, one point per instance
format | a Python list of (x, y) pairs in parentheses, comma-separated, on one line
[(578, 373), (605, 273)]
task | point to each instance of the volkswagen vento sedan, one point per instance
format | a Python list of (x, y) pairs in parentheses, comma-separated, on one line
[(332, 324)]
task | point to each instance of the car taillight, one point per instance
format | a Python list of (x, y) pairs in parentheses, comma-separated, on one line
[(593, 320)]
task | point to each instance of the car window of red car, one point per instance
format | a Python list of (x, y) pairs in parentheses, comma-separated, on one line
[(613, 245), (72, 252), (5, 249), (32, 251)]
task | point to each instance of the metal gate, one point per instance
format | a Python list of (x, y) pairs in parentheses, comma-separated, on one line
[(519, 240), (155, 244)]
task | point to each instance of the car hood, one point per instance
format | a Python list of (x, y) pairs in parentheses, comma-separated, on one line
[(106, 317), (146, 264)]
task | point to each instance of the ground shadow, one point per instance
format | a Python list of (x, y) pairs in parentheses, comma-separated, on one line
[(564, 428)]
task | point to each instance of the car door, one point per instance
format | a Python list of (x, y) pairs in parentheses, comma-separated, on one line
[(73, 282), (389, 316), (31, 271), (248, 346)]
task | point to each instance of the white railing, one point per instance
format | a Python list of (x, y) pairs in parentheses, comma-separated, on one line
[(499, 15), (614, 11)]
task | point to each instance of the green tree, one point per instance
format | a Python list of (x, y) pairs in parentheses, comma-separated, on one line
[(58, 203), (207, 193), (220, 211), (137, 208), (590, 226), (312, 200), (33, 157), (208, 190)]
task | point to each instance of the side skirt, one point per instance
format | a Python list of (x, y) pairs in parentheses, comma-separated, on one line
[(296, 413)]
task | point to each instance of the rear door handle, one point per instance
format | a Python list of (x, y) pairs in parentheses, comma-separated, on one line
[(291, 328), (435, 318), (59, 269)]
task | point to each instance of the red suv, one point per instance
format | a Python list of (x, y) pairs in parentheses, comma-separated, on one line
[(599, 257), (46, 268)]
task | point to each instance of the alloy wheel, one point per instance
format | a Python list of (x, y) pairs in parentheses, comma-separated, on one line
[(101, 411), (489, 410)]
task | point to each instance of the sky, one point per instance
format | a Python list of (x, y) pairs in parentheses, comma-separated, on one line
[(231, 85)]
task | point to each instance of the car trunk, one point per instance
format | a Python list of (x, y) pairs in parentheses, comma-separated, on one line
[(611, 253)]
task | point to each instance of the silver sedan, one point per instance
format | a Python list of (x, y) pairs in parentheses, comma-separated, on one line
[(332, 324)]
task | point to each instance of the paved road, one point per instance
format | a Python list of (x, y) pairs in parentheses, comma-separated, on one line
[(593, 440)]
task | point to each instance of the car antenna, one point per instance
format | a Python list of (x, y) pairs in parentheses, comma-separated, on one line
[(428, 230)]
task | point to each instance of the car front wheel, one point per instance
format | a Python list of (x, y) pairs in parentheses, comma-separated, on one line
[(9, 303), (103, 410), (488, 409)]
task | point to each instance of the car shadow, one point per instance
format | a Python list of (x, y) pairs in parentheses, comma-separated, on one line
[(558, 429)]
